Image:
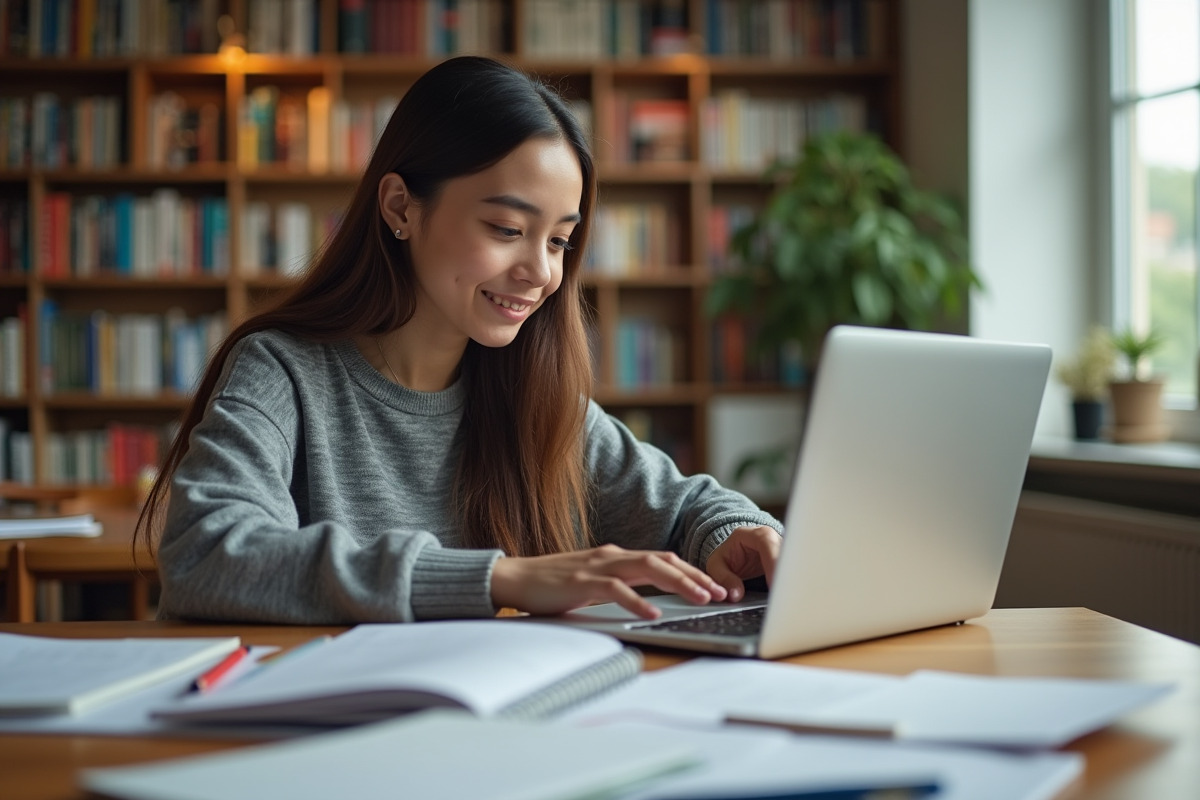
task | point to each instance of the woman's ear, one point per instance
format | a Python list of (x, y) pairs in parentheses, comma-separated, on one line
[(395, 205)]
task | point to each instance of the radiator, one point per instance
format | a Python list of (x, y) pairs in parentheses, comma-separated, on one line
[(1136, 565)]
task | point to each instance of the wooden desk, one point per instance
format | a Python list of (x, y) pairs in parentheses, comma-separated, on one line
[(106, 557), (1153, 753)]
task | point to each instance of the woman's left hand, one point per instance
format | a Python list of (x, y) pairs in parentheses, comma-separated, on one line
[(747, 553)]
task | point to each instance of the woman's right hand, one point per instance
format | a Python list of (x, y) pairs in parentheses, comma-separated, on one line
[(557, 583)]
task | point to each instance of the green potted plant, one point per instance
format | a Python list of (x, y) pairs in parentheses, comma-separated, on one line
[(1087, 376), (845, 237), (1137, 400)]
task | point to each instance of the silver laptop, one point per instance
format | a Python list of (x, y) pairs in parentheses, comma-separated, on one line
[(903, 498)]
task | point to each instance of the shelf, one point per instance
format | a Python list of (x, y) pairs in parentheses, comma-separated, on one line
[(722, 66), (660, 278), (664, 209), (126, 176), (646, 172), (678, 395), (168, 401), (273, 175), (136, 283), (757, 388)]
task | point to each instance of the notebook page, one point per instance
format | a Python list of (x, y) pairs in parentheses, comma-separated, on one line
[(481, 666)]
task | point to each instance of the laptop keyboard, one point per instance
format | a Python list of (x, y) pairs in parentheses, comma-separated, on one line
[(740, 622)]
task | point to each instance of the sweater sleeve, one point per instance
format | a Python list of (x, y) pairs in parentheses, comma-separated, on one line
[(235, 548), (642, 501)]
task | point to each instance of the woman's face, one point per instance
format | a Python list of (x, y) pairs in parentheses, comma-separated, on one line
[(489, 250)]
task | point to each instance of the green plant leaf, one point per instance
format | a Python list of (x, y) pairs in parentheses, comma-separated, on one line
[(873, 298), (846, 236)]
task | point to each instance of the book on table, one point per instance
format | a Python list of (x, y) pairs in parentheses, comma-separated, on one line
[(491, 668), (42, 676)]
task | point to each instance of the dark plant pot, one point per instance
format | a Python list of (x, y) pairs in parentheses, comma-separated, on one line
[(1088, 415)]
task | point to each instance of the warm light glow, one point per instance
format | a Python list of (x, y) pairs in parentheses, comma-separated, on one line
[(232, 56), (233, 45)]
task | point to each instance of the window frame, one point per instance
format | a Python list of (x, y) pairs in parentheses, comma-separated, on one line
[(1120, 101)]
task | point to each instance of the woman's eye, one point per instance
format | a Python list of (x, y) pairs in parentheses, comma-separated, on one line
[(511, 233), (562, 243)]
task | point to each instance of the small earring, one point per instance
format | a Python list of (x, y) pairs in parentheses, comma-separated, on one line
[(398, 236)]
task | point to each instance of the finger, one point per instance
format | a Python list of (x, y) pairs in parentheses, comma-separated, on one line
[(722, 574), (768, 546), (668, 572), (617, 591)]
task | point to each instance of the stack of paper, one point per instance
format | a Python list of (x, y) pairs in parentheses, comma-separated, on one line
[(40, 527)]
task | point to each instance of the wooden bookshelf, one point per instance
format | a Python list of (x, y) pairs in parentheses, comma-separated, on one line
[(847, 58)]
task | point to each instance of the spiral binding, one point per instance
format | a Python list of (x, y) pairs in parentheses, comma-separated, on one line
[(574, 689)]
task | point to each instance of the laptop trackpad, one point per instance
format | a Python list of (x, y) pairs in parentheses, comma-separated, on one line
[(672, 605)]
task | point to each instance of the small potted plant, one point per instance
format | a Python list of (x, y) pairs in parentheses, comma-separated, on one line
[(1087, 376), (1137, 400)]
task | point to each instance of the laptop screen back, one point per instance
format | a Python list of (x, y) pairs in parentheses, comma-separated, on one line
[(906, 486)]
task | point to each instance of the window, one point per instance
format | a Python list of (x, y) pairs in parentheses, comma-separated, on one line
[(1156, 150)]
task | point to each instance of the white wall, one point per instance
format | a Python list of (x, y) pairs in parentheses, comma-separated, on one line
[(1031, 188), (1000, 103)]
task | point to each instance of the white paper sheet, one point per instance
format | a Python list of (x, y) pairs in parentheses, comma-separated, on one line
[(936, 706), (748, 762), (702, 690), (440, 755)]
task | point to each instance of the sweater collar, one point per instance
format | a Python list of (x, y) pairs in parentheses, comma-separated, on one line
[(427, 404)]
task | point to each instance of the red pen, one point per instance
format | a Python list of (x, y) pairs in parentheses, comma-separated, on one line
[(214, 675)]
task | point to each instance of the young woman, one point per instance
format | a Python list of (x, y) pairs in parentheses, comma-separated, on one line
[(407, 435)]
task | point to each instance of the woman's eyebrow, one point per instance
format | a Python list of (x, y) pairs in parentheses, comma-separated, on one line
[(517, 204)]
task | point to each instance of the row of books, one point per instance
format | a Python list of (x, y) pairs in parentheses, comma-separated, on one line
[(16, 453), (724, 221), (430, 28), (108, 28), (794, 29), (649, 353), (123, 354), (113, 456), (50, 131), (633, 238), (164, 234), (605, 28), (647, 129), (745, 132), (12, 356), (283, 27), (14, 236), (738, 357), (178, 135), (282, 239), (552, 28), (313, 133)]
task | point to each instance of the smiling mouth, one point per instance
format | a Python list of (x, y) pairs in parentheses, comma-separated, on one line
[(500, 301)]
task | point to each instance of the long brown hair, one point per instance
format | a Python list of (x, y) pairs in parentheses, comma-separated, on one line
[(520, 485)]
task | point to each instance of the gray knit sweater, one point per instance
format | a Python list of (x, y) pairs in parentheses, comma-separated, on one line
[(315, 491)]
